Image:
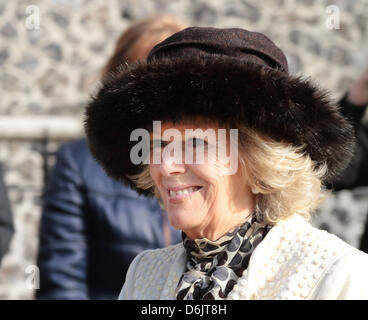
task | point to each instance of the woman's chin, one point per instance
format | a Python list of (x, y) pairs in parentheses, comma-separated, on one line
[(185, 213), (182, 219)]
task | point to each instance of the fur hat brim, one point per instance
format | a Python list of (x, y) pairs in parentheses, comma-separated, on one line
[(284, 107)]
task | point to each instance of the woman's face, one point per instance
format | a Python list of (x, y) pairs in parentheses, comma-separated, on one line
[(201, 197)]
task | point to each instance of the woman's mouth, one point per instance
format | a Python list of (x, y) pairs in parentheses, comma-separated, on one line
[(178, 194)]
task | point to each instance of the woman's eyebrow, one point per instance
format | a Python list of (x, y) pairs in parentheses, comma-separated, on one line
[(160, 142)]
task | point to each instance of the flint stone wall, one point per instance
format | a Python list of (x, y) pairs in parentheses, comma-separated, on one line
[(50, 71)]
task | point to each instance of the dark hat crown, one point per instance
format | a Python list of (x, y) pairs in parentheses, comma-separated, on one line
[(233, 43)]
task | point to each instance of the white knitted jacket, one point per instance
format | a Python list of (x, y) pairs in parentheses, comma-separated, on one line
[(294, 261)]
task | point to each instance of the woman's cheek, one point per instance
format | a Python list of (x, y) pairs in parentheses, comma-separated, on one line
[(154, 172)]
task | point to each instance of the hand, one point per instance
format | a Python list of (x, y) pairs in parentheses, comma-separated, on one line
[(358, 93)]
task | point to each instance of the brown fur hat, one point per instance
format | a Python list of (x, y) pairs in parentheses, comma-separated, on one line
[(220, 74)]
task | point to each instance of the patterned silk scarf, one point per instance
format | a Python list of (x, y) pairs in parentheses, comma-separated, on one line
[(214, 267)]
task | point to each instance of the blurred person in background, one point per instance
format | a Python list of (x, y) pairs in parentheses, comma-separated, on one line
[(6, 219), (92, 226), (353, 106)]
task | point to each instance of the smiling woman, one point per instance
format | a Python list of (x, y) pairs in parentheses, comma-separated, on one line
[(281, 178), (202, 199), (245, 232)]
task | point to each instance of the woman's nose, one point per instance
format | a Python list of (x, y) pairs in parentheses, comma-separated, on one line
[(170, 166)]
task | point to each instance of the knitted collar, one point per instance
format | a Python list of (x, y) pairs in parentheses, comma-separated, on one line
[(214, 267)]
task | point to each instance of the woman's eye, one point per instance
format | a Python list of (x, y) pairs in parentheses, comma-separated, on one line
[(157, 144), (196, 142)]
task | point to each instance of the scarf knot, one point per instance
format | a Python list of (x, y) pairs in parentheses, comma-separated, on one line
[(214, 267)]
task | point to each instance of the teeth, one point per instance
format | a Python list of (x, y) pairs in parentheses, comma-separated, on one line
[(183, 191)]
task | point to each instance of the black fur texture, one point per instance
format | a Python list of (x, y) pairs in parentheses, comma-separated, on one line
[(285, 107)]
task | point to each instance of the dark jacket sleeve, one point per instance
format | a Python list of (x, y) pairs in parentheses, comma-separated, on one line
[(6, 219), (63, 250), (356, 174), (351, 111)]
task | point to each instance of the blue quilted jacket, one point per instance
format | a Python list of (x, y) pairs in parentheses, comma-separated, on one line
[(91, 229)]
